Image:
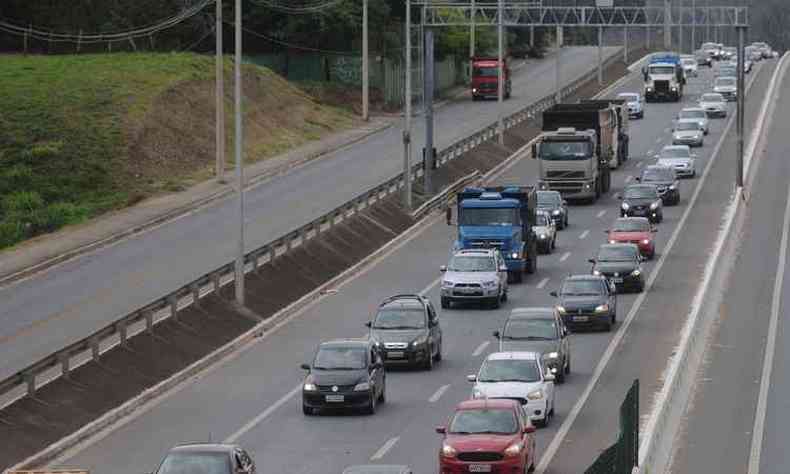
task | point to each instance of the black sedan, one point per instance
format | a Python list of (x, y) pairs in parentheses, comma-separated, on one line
[(551, 203), (642, 200), (622, 265), (666, 181), (345, 373), (587, 301)]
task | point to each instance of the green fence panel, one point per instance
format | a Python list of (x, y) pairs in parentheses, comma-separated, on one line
[(623, 455)]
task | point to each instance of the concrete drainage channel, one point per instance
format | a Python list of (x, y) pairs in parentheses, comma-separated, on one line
[(79, 391)]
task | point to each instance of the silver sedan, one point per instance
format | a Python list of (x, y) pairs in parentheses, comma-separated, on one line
[(680, 158), (688, 133)]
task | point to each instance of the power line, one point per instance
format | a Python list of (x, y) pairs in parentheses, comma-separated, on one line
[(298, 6)]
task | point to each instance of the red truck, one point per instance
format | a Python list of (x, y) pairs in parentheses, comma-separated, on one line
[(485, 72)]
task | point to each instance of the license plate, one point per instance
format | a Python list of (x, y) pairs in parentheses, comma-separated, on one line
[(335, 398), (467, 290), (479, 468), (581, 319), (395, 355), (617, 280)]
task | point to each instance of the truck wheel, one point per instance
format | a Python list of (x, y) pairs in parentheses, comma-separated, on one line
[(517, 277), (532, 266)]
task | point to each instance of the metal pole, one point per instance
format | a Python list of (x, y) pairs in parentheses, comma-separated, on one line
[(693, 25), (708, 22), (647, 37), (681, 17), (471, 39), (667, 25), (531, 36), (500, 74), (365, 63), (600, 55), (558, 73), (428, 87), (625, 45), (741, 100), (219, 139), (239, 268), (407, 116)]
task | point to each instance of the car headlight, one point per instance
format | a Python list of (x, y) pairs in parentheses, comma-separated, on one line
[(654, 206), (514, 255), (535, 394), (474, 90), (555, 212), (447, 284), (636, 272), (360, 387), (612, 241), (419, 341), (448, 451), (602, 308), (514, 449), (552, 355), (646, 242), (310, 387), (561, 309), (596, 272), (490, 283), (650, 89), (672, 187), (625, 206), (543, 236)]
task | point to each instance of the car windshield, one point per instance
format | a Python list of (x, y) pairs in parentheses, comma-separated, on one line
[(662, 70), (631, 225), (549, 198), (692, 114), (509, 370), (542, 220), (617, 254), (550, 150), (496, 421), (629, 97), (466, 263), (538, 329), (195, 463), (689, 62), (486, 71), (581, 288), (712, 98), (340, 358), (484, 216), (725, 81), (675, 153), (641, 192), (687, 126), (400, 318), (657, 174)]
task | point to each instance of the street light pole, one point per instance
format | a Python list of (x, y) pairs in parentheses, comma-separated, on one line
[(365, 63), (471, 39), (741, 101), (239, 267), (219, 171), (693, 25), (501, 74), (407, 115)]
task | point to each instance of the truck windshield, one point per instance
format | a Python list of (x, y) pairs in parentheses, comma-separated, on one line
[(486, 72), (662, 70), (564, 150), (489, 216)]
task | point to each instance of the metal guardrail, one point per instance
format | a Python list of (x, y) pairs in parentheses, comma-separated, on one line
[(61, 362)]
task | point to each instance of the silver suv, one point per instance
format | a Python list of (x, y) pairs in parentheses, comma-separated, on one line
[(475, 275)]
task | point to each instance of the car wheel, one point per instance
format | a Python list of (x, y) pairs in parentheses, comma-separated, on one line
[(517, 277), (382, 395), (504, 295), (554, 243), (445, 302), (439, 352), (568, 366), (307, 410), (496, 302), (566, 222), (531, 467), (428, 363), (371, 408), (560, 377), (694, 174), (608, 326), (532, 266)]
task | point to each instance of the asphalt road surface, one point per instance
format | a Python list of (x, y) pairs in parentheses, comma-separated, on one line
[(63, 305), (254, 398), (718, 430)]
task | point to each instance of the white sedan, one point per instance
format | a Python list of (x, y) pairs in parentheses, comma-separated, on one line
[(680, 158)]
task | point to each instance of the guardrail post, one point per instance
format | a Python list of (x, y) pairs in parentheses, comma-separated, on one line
[(272, 253), (194, 288), (65, 365), (255, 257), (216, 281), (149, 321), (122, 332), (172, 301), (30, 381), (94, 342)]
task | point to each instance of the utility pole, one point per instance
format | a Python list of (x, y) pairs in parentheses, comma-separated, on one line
[(681, 17), (741, 101), (693, 25), (471, 39), (708, 22), (667, 25), (407, 116), (625, 45), (501, 74), (600, 55), (427, 154), (239, 267), (219, 139), (558, 73), (365, 63)]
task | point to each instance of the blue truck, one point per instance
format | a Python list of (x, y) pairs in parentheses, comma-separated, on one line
[(664, 77), (500, 217)]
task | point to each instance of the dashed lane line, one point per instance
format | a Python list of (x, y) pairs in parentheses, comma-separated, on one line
[(385, 448), (542, 283), (438, 393), (480, 348), (584, 235), (565, 256), (601, 214)]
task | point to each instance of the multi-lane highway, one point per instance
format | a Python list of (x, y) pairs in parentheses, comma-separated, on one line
[(90, 292), (728, 428), (253, 398)]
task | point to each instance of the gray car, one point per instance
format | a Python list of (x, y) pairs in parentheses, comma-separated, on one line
[(551, 203), (540, 330), (713, 104), (475, 275), (680, 158), (546, 232), (210, 457), (688, 133), (665, 180), (695, 114), (587, 301), (406, 330), (726, 86), (635, 103)]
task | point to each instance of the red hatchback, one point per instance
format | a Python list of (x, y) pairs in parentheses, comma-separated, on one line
[(634, 230), (488, 435)]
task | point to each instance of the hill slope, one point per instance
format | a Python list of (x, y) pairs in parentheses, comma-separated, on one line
[(82, 135)]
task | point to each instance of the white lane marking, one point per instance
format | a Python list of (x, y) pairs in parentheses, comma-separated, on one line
[(542, 283), (584, 235), (628, 179), (480, 348), (768, 362), (438, 394), (428, 288), (263, 415), (562, 432), (565, 256), (639, 164), (601, 214), (384, 449)]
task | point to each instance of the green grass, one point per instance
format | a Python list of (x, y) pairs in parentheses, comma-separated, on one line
[(67, 124)]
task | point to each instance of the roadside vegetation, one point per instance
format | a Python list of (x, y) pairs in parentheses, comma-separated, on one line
[(83, 135)]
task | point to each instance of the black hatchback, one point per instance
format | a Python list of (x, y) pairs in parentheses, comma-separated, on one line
[(622, 265), (587, 301), (642, 200), (406, 331), (666, 181), (345, 373)]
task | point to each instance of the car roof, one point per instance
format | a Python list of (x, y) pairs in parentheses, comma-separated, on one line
[(377, 469), (350, 342), (692, 109), (204, 447), (644, 219), (478, 403), (584, 277), (534, 312), (619, 245), (483, 252), (403, 301), (676, 147), (659, 168), (514, 355)]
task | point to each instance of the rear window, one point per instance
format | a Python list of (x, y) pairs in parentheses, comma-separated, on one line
[(192, 463), (500, 421), (692, 114), (657, 174), (631, 225), (712, 98), (686, 126)]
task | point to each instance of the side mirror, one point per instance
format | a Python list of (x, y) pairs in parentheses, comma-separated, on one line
[(554, 294), (369, 323), (471, 378), (638, 179), (529, 429), (619, 196), (443, 268), (441, 430), (606, 231), (591, 260), (653, 231), (496, 334), (305, 367), (564, 202)]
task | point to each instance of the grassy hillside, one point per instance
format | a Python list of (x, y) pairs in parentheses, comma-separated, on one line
[(82, 135)]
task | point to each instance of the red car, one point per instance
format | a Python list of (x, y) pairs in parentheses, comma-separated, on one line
[(634, 230), (491, 435)]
